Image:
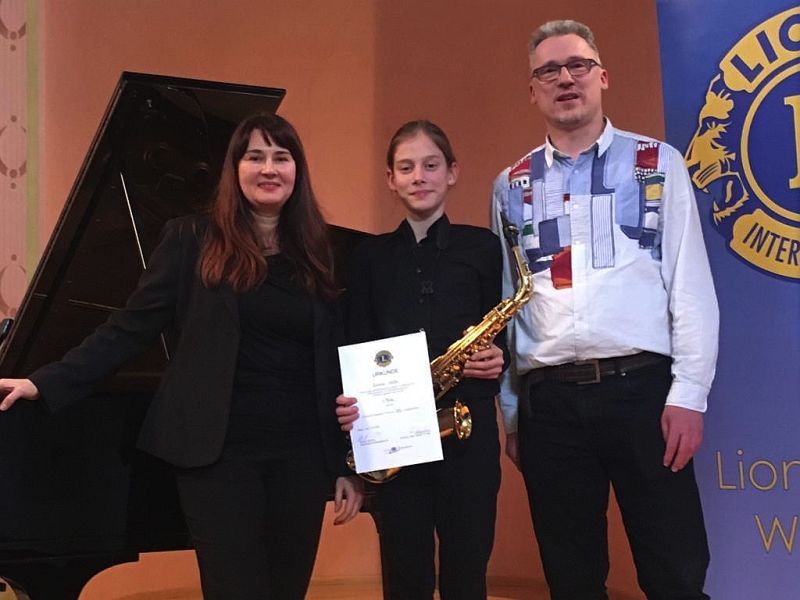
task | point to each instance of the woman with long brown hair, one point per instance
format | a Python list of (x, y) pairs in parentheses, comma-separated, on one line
[(245, 410)]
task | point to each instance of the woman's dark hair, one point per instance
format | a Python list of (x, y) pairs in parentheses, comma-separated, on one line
[(231, 252), (412, 128)]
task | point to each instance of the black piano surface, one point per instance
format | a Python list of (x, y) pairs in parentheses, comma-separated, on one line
[(75, 495)]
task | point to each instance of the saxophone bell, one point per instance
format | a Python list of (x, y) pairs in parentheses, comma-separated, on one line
[(455, 420), (376, 477)]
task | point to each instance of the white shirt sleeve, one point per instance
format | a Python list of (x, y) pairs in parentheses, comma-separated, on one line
[(694, 314)]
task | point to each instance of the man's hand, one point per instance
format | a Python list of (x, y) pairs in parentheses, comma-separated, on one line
[(346, 411), (14, 389), (485, 364), (683, 432), (512, 449)]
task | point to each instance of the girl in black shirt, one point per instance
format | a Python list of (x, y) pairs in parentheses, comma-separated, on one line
[(430, 274)]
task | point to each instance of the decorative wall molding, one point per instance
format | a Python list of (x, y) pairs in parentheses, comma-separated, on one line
[(14, 136)]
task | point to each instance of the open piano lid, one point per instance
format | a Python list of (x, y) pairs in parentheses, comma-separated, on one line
[(156, 155), (75, 495)]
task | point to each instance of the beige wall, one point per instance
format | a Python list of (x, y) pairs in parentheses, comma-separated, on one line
[(354, 71)]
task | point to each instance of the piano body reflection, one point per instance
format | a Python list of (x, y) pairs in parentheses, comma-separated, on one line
[(76, 496)]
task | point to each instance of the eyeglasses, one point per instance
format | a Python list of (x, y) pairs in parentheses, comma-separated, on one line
[(577, 67)]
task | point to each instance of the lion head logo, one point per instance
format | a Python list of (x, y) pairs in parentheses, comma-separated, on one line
[(383, 358), (711, 163)]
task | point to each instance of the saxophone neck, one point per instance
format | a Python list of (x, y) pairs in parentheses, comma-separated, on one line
[(525, 283)]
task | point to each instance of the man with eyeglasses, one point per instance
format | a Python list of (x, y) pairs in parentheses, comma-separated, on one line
[(613, 357)]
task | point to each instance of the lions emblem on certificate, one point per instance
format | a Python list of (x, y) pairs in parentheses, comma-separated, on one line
[(391, 380)]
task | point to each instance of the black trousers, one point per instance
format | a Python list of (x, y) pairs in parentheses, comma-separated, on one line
[(454, 500), (576, 440), (255, 517)]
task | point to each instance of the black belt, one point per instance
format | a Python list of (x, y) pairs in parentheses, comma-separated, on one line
[(593, 370)]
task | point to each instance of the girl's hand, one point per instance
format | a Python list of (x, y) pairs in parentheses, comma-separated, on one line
[(485, 364), (346, 411)]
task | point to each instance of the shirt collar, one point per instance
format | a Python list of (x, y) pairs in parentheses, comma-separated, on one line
[(439, 231), (601, 144)]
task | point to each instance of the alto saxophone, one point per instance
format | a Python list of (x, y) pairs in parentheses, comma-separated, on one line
[(447, 369)]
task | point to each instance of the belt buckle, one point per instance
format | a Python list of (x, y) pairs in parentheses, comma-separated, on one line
[(591, 361)]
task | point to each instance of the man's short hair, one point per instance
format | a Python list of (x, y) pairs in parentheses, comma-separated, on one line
[(561, 27)]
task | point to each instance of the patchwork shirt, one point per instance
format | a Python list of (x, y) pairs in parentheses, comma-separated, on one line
[(613, 239)]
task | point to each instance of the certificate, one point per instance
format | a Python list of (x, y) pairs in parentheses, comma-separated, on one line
[(391, 379)]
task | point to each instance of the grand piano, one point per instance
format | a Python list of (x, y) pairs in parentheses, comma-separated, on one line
[(76, 496)]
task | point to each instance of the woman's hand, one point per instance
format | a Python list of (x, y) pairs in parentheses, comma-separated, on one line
[(348, 498), (14, 389), (346, 411), (485, 364)]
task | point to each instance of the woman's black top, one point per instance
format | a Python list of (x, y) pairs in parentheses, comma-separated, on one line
[(274, 385)]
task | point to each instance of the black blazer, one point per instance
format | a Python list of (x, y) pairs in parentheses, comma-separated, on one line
[(187, 420)]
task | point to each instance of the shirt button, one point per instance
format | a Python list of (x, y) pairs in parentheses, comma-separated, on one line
[(421, 300), (419, 270)]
